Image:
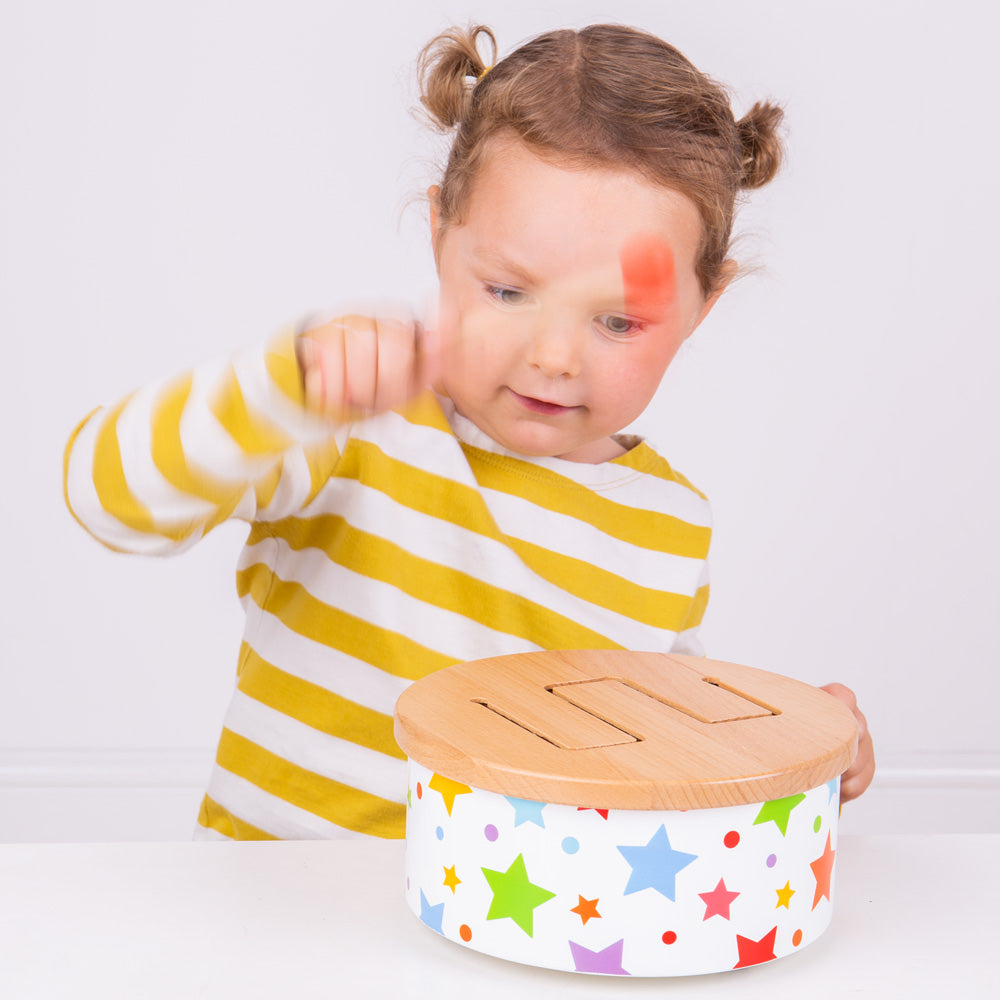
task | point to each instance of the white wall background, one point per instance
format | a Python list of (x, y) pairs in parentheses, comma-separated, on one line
[(178, 179)]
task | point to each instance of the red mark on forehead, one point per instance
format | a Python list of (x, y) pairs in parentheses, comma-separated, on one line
[(649, 275)]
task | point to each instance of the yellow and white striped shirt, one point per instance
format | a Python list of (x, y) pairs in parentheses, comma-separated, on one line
[(378, 552)]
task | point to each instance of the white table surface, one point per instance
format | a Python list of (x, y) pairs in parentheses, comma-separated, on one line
[(914, 916)]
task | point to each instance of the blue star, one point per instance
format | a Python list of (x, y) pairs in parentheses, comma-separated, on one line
[(831, 787), (527, 811), (655, 865), (431, 915)]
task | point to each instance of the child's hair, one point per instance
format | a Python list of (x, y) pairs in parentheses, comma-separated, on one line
[(609, 95)]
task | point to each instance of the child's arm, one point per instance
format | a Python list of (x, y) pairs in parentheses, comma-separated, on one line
[(859, 775), (238, 439)]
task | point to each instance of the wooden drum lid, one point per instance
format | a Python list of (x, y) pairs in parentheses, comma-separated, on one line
[(622, 813)]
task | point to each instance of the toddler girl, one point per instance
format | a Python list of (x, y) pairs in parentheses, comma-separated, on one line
[(420, 497)]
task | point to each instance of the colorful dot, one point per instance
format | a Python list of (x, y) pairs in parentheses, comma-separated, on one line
[(465, 932), (731, 839), (571, 845), (439, 833), (420, 791), (669, 937), (817, 823), (772, 860), (797, 938), (491, 833)]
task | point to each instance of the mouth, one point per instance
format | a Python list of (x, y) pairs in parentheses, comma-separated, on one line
[(543, 406)]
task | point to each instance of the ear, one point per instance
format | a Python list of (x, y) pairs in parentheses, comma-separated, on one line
[(726, 274)]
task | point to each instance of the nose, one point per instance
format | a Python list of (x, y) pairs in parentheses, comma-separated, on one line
[(556, 348)]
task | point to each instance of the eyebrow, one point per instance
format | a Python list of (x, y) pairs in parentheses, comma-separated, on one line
[(495, 258)]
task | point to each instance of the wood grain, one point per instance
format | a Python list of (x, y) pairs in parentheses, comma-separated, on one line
[(625, 730)]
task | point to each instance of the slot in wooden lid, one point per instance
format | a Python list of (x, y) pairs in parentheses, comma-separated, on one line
[(623, 730)]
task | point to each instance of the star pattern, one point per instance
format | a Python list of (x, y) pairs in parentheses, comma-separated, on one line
[(431, 915), (655, 865), (608, 961), (586, 909), (822, 868), (527, 811), (515, 896), (451, 879), (778, 811), (784, 896), (754, 952), (718, 901), (448, 789), (561, 849)]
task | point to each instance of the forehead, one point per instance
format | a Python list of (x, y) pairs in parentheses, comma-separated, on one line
[(543, 211)]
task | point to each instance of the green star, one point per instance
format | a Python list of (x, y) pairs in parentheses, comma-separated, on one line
[(778, 810), (514, 895)]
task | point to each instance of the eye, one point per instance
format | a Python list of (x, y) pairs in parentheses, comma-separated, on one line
[(619, 326), (507, 296)]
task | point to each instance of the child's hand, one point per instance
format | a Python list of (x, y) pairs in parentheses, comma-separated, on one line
[(859, 775), (354, 366)]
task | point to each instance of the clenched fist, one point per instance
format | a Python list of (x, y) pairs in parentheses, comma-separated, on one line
[(354, 366)]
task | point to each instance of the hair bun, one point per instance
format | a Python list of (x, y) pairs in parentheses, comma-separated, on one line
[(448, 68), (760, 143)]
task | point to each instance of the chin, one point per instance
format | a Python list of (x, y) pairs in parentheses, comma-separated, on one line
[(530, 450), (536, 445)]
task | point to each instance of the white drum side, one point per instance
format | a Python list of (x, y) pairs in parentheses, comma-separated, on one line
[(620, 892)]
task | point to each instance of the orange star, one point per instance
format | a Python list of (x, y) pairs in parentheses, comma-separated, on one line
[(586, 908), (451, 879), (448, 789), (823, 870), (603, 813)]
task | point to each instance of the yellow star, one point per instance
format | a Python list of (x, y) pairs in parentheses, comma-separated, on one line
[(451, 879), (448, 789), (784, 895)]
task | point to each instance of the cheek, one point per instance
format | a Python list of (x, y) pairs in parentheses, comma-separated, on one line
[(475, 330), (478, 347), (457, 323), (630, 375)]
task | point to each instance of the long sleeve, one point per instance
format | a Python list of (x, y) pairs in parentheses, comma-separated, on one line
[(231, 439), (688, 639)]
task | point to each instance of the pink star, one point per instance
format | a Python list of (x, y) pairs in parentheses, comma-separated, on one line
[(717, 901)]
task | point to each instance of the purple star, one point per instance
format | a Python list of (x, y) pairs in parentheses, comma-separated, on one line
[(608, 961)]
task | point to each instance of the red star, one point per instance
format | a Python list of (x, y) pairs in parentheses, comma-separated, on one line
[(603, 813), (717, 901), (823, 870), (587, 908), (754, 952)]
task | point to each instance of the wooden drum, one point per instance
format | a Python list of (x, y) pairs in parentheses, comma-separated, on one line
[(622, 813)]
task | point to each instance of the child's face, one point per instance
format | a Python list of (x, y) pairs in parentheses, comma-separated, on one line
[(565, 294)]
